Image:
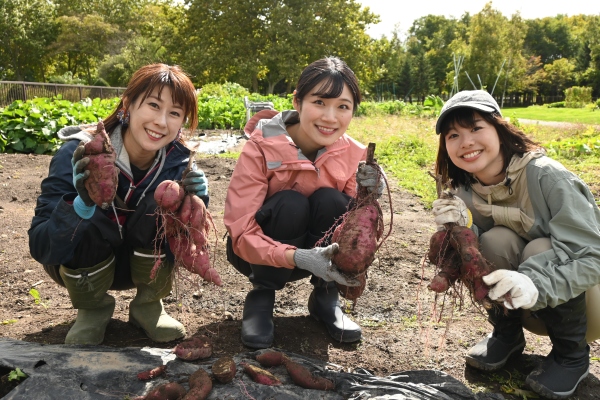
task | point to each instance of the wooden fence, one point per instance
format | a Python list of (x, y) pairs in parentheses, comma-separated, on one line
[(16, 90)]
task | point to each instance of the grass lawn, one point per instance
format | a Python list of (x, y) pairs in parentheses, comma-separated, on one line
[(406, 148), (576, 115)]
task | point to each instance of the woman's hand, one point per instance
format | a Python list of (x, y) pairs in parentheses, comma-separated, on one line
[(318, 262), (80, 174), (451, 211), (522, 291), (195, 182), (371, 178)]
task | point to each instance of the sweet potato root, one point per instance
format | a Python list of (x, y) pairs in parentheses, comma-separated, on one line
[(186, 225), (169, 195), (357, 238), (167, 391), (359, 234), (151, 374), (302, 377), (103, 179), (353, 292), (200, 385), (455, 253), (224, 369), (473, 266), (259, 375), (270, 358), (194, 349)]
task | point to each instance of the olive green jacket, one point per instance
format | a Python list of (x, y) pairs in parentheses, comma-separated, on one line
[(540, 198)]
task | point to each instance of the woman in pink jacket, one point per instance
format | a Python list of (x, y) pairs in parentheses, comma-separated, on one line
[(295, 176)]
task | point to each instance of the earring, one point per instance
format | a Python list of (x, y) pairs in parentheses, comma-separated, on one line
[(123, 117)]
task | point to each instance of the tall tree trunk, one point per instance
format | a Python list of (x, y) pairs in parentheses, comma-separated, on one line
[(254, 84)]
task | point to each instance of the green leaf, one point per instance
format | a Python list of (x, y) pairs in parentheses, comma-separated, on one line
[(16, 374)]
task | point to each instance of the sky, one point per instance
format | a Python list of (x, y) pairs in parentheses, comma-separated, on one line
[(402, 12)]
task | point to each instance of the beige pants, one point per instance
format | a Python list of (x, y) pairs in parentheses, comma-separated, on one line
[(507, 250)]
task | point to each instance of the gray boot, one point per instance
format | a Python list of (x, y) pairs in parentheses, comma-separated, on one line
[(324, 306), (569, 361), (87, 289), (146, 309), (492, 352)]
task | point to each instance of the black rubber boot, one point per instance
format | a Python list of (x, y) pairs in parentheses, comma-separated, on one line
[(569, 361), (257, 322), (492, 353), (324, 306)]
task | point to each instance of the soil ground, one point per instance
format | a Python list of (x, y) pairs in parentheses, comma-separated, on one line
[(394, 311)]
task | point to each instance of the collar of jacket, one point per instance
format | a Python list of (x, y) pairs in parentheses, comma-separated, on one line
[(502, 191)]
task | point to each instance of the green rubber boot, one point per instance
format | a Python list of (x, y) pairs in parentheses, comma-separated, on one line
[(87, 289), (146, 310)]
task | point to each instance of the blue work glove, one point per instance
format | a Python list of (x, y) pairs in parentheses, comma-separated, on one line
[(371, 178), (195, 182), (318, 262), (83, 204)]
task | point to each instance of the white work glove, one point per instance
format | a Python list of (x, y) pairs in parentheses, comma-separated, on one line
[(451, 211), (318, 262), (371, 178), (522, 291)]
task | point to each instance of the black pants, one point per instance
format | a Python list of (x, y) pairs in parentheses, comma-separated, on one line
[(291, 218), (139, 232)]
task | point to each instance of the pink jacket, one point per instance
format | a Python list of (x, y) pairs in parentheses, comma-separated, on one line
[(271, 162)]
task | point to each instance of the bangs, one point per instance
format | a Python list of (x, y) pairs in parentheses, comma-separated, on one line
[(331, 87), (180, 92), (463, 117)]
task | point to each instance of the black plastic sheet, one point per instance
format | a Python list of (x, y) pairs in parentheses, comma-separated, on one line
[(65, 372)]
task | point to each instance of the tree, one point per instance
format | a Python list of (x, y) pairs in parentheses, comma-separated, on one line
[(434, 34), (493, 41), (559, 76), (26, 29), (550, 38), (271, 41), (83, 42)]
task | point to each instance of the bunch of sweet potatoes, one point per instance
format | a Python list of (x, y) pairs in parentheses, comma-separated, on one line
[(103, 179), (454, 251), (358, 236), (186, 224)]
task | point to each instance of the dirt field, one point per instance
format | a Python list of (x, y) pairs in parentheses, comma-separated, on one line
[(394, 311)]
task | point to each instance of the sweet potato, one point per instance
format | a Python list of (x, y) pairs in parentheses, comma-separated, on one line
[(357, 238), (185, 226), (169, 195), (167, 391), (455, 253), (194, 260), (302, 377), (200, 385), (104, 175), (359, 232), (259, 375), (224, 369), (448, 273), (195, 348), (353, 292), (270, 358), (151, 374), (474, 266)]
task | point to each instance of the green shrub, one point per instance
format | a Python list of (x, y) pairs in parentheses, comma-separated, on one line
[(31, 126), (559, 104), (578, 96)]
